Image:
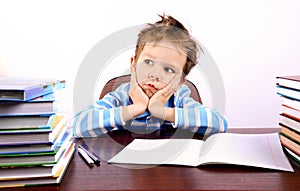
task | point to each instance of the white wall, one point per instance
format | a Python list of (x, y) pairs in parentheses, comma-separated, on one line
[(250, 41)]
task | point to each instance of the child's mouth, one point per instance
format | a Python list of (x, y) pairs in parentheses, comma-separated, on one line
[(151, 87)]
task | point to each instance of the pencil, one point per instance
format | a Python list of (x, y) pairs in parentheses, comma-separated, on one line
[(93, 157), (87, 159)]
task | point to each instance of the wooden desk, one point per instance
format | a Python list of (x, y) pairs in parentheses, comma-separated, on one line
[(211, 177)]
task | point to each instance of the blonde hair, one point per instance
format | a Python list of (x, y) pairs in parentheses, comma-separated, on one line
[(172, 31)]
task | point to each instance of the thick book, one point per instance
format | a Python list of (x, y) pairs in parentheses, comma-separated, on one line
[(289, 81), (256, 150), (290, 122), (35, 147), (292, 155), (37, 175), (290, 133), (43, 105), (290, 144), (288, 92), (291, 112), (24, 89), (26, 122), (34, 136), (37, 158), (291, 103)]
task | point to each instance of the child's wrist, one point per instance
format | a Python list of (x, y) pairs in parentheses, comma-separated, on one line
[(162, 112), (131, 111), (157, 110)]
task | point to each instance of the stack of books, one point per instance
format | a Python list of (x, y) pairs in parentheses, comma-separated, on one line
[(288, 87), (36, 144)]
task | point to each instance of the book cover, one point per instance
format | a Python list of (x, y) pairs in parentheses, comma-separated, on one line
[(24, 89), (36, 158), (36, 172), (290, 133), (292, 123), (292, 155), (288, 92), (34, 136), (25, 122), (41, 180), (43, 105), (291, 102), (289, 81), (291, 112), (27, 148), (34, 147), (288, 143)]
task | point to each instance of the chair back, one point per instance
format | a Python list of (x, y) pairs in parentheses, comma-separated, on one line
[(112, 84)]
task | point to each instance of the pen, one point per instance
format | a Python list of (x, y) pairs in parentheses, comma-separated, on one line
[(87, 159), (95, 159)]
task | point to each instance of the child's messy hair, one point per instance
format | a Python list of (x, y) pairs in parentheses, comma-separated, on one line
[(170, 30)]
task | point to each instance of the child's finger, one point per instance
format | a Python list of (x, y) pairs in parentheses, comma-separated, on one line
[(174, 83), (169, 90)]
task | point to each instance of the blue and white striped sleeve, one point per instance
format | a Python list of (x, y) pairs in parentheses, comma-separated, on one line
[(101, 117), (192, 115)]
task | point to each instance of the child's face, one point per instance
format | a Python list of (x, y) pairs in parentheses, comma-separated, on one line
[(159, 65)]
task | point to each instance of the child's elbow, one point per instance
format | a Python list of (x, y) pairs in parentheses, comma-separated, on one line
[(79, 124)]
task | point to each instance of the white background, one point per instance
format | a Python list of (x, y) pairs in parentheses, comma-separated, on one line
[(251, 41)]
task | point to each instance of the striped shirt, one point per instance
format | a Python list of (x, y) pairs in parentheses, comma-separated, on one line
[(106, 115)]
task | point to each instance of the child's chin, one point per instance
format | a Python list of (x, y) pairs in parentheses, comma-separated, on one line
[(149, 93)]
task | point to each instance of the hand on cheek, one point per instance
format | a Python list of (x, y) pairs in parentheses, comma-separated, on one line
[(139, 98), (136, 93), (159, 99)]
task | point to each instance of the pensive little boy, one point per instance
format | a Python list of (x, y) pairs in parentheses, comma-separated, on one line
[(156, 95)]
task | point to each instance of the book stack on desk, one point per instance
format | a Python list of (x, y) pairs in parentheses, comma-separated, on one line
[(36, 143), (288, 87)]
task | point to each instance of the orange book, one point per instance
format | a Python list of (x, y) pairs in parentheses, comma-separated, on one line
[(290, 144), (290, 134)]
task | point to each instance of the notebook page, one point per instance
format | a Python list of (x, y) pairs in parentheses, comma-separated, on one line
[(160, 151), (260, 150)]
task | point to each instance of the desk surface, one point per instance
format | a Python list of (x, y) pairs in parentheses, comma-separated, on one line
[(210, 177)]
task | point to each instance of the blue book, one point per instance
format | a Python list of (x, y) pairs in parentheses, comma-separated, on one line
[(288, 92), (24, 89), (34, 136), (25, 148), (42, 105), (26, 158)]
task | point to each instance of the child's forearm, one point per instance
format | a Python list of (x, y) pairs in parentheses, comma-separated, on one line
[(201, 120)]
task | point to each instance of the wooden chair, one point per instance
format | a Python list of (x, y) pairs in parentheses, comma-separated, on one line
[(112, 84)]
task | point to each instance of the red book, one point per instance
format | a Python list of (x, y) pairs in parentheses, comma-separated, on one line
[(291, 103), (291, 112)]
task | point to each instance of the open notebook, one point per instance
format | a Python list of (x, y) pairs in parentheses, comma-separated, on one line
[(257, 150)]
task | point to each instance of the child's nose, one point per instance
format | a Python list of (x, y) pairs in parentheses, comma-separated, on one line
[(154, 75)]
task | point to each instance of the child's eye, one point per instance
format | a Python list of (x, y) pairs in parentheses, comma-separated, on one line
[(148, 62), (169, 70)]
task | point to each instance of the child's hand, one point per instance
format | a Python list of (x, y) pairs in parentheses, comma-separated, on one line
[(159, 99), (139, 98)]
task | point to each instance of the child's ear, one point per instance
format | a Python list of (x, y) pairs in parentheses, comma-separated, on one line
[(132, 61), (183, 80)]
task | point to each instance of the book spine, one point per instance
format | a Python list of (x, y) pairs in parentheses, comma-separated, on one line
[(288, 87)]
